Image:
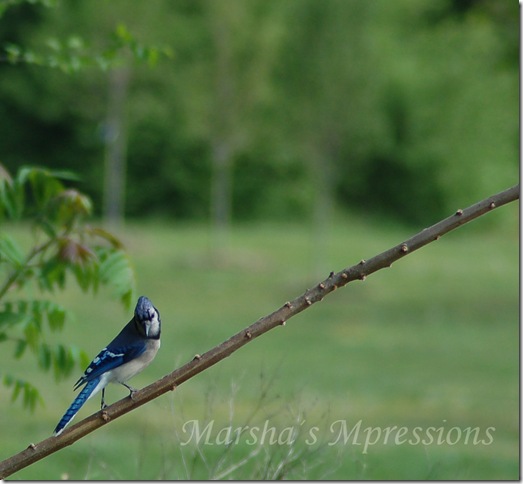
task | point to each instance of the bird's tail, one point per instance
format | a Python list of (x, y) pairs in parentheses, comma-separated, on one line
[(82, 397)]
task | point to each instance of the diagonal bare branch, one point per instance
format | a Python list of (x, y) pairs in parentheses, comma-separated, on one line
[(360, 271)]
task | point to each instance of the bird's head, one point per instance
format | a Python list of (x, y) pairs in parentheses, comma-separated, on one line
[(147, 318)]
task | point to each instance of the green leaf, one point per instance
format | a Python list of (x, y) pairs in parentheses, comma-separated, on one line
[(32, 335), (63, 361), (11, 196), (37, 310), (17, 386), (54, 44), (9, 318), (33, 330), (30, 394), (80, 356), (56, 316), (75, 42), (31, 397), (21, 345), (10, 251), (68, 206), (51, 274), (123, 34), (116, 271), (44, 356), (86, 276), (43, 187), (14, 53)]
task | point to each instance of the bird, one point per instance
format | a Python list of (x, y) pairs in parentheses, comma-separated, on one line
[(125, 356)]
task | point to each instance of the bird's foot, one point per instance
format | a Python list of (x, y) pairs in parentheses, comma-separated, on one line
[(132, 390)]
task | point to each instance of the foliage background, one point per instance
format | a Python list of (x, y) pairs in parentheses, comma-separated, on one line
[(396, 108), (319, 133)]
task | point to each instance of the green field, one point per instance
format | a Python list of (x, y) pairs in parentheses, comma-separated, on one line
[(430, 344)]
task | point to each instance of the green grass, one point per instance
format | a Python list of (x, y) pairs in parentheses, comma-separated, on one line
[(431, 342)]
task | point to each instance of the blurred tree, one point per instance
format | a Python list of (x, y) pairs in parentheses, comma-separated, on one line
[(426, 75), (455, 105), (225, 128), (61, 45), (273, 107), (329, 93), (239, 70), (115, 140)]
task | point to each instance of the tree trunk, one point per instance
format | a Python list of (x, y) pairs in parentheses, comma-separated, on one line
[(223, 136), (221, 193), (115, 147)]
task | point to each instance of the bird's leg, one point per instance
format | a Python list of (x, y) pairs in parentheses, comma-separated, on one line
[(132, 390), (103, 399)]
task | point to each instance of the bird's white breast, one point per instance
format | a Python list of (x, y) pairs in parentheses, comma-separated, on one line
[(132, 368)]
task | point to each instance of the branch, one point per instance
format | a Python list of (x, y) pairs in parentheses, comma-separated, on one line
[(10, 281), (360, 271)]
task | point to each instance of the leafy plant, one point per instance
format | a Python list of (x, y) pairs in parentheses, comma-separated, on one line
[(63, 245), (74, 53)]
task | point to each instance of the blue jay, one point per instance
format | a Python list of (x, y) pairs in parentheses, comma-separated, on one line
[(125, 356)]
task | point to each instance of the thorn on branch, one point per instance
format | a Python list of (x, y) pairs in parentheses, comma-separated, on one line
[(404, 248), (105, 416), (288, 305), (362, 277), (197, 357), (362, 261), (31, 446), (492, 205), (321, 285), (283, 322), (459, 212), (308, 302), (331, 274), (248, 334)]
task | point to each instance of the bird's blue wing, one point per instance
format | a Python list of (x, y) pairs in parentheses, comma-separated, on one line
[(109, 358)]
